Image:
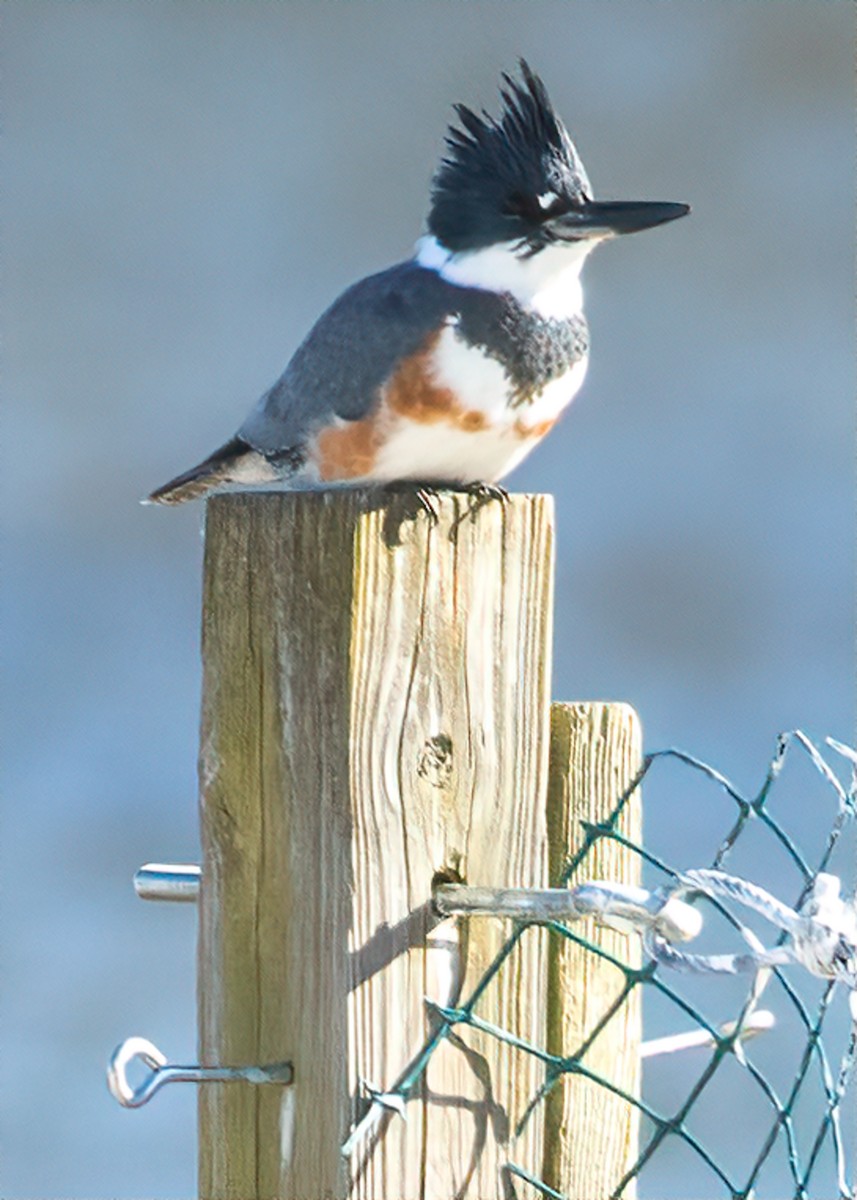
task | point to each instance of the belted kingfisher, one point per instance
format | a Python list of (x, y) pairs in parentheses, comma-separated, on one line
[(446, 369)]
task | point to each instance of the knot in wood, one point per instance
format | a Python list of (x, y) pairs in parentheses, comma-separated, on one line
[(435, 761)]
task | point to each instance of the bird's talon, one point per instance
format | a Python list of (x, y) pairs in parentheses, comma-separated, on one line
[(427, 500), (482, 494)]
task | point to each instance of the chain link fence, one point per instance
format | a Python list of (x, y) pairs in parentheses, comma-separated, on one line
[(775, 922)]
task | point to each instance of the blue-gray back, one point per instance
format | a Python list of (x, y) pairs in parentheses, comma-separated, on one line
[(357, 345), (354, 347)]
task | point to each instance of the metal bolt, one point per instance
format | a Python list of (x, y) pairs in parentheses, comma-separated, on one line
[(168, 881)]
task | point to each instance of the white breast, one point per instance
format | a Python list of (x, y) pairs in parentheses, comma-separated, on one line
[(443, 451), (482, 385), (479, 382)]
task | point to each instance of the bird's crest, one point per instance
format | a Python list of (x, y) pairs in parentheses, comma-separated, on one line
[(502, 177)]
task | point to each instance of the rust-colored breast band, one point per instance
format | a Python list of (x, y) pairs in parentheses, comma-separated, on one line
[(413, 393)]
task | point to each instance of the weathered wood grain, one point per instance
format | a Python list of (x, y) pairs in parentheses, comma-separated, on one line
[(590, 1133), (375, 711)]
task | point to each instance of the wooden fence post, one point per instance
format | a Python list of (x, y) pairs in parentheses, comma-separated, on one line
[(590, 1133), (375, 711)]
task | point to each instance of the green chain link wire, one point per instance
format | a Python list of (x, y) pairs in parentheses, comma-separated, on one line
[(803, 1170)]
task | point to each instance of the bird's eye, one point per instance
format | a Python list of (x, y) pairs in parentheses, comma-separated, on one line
[(520, 205)]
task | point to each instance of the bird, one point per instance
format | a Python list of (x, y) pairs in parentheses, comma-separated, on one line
[(447, 369)]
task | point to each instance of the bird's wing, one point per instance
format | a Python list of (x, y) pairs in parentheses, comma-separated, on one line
[(354, 347)]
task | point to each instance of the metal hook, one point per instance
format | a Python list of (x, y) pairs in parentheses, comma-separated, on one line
[(160, 1072), (621, 906)]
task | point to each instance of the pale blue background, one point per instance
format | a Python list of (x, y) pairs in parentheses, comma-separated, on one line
[(186, 186)]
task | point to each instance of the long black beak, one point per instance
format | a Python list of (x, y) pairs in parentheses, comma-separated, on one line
[(606, 218)]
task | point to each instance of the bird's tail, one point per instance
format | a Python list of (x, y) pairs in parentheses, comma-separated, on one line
[(229, 464)]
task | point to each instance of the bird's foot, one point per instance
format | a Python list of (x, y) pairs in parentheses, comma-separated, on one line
[(427, 500), (484, 492), (424, 498), (416, 499), (424, 494), (479, 495)]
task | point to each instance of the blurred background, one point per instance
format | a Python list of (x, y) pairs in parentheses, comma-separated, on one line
[(187, 185)]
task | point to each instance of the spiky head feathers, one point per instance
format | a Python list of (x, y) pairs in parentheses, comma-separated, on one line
[(502, 179)]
